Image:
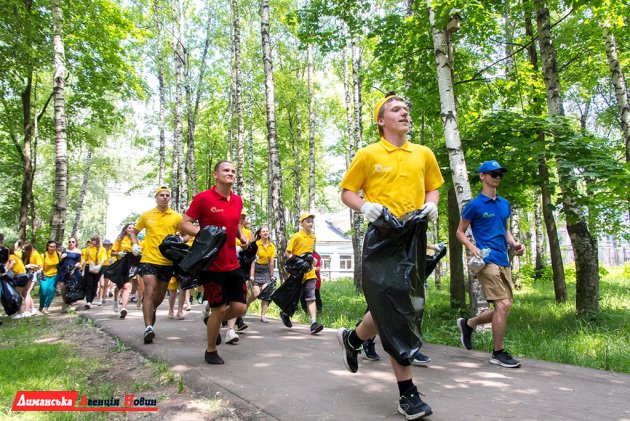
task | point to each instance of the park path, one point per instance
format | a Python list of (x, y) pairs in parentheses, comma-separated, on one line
[(276, 373)]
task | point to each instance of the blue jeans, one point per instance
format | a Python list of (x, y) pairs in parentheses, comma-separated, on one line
[(46, 291)]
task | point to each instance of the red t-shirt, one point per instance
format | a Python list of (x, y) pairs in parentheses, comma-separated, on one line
[(211, 208), (318, 283)]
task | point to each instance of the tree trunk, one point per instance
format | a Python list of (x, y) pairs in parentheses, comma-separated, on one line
[(455, 254), (311, 129), (516, 261), (274, 158), (26, 157), (178, 181), (555, 254), (621, 89), (294, 141), (58, 220), (584, 245), (453, 141), (82, 192), (357, 222), (238, 94), (539, 252), (162, 117), (250, 159)]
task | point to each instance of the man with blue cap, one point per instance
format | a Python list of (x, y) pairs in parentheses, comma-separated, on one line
[(487, 216)]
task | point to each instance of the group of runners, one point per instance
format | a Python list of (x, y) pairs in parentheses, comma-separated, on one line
[(392, 173)]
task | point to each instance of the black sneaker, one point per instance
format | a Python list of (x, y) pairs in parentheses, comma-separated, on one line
[(213, 358), (316, 328), (240, 324), (348, 353), (504, 359), (420, 359), (369, 350), (466, 333), (149, 334), (286, 320), (412, 407)]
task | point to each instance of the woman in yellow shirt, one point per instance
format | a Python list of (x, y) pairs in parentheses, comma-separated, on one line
[(33, 264), (95, 256), (50, 265), (21, 280), (122, 249), (263, 282)]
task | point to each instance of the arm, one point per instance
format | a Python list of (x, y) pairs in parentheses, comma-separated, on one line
[(352, 200), (187, 226), (9, 265), (242, 238), (519, 249), (461, 236), (271, 268), (432, 196)]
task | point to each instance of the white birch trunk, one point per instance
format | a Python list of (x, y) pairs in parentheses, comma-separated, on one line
[(82, 192), (250, 159), (357, 217), (179, 191), (57, 223), (621, 89), (275, 180), (238, 94), (457, 162), (311, 129), (584, 245)]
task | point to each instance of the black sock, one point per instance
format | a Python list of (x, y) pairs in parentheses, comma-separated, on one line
[(354, 340), (404, 386), (497, 351)]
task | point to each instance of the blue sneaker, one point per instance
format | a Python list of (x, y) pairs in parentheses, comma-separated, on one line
[(369, 350), (421, 359)]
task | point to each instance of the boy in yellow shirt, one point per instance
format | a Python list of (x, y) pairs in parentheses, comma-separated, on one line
[(301, 242)]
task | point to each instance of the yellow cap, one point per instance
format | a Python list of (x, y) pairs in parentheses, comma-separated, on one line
[(243, 212), (379, 105), (161, 188), (305, 215)]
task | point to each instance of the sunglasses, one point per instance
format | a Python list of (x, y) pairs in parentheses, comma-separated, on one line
[(495, 174), (72, 242)]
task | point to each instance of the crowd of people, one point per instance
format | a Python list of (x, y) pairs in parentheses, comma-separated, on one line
[(390, 176)]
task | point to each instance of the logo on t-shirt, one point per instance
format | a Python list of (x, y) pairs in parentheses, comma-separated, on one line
[(215, 209), (487, 215), (381, 168)]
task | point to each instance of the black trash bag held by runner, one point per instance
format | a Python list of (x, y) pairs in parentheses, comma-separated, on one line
[(118, 272), (394, 259), (10, 298), (76, 288), (205, 248), (174, 248), (287, 295), (246, 257)]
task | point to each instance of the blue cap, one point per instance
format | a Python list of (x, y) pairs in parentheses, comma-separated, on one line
[(491, 166)]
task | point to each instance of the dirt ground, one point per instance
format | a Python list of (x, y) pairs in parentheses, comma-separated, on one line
[(128, 371)]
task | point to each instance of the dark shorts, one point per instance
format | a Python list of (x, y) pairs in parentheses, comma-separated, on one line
[(223, 287), (20, 281), (308, 290), (162, 273)]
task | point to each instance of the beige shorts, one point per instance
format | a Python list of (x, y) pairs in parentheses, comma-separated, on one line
[(496, 282)]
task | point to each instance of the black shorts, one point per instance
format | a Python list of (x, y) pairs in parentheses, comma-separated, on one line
[(162, 273), (223, 287), (20, 281)]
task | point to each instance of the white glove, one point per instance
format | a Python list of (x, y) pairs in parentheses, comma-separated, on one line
[(136, 250), (429, 211), (372, 211)]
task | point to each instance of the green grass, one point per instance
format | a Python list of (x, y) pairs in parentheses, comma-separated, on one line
[(538, 327)]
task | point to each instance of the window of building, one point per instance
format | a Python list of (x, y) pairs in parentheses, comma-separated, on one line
[(325, 261), (345, 262)]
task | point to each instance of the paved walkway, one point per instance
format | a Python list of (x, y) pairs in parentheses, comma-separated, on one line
[(275, 373)]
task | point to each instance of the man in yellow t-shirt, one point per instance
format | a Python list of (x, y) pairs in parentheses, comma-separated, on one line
[(302, 242), (404, 177), (156, 270)]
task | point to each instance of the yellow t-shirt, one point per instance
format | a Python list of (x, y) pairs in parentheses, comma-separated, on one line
[(265, 254), (394, 177), (158, 225), (84, 254), (247, 233), (95, 255), (50, 263), (123, 245), (108, 261), (36, 259), (300, 243), (18, 267)]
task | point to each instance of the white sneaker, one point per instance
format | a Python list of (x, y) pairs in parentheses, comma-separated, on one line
[(34, 311), (27, 314), (205, 311), (18, 316), (88, 306), (99, 303), (115, 306), (231, 337)]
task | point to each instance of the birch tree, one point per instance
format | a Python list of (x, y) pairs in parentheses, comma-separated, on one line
[(584, 245), (178, 179), (311, 129), (57, 223), (83, 191), (238, 94), (275, 170)]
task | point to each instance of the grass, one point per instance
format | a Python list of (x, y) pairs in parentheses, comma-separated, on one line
[(538, 328)]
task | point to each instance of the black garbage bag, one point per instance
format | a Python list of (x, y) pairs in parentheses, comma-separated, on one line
[(118, 272), (174, 248), (204, 250), (186, 281), (267, 291), (75, 289), (432, 261), (10, 298), (246, 257), (288, 294), (394, 259)]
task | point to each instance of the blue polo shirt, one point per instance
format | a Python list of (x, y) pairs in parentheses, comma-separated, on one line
[(488, 222)]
